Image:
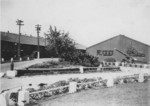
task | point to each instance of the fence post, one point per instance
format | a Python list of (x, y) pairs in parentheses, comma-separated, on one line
[(72, 87), (11, 59), (2, 59), (121, 81), (81, 69), (28, 58), (11, 73), (5, 99), (20, 59), (141, 77), (116, 64), (23, 97), (110, 82)]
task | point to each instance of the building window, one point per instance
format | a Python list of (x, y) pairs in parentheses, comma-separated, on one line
[(99, 52), (104, 52)]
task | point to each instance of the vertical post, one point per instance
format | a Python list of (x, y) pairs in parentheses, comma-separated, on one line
[(72, 87), (141, 77), (23, 98), (5, 99), (81, 69), (12, 66), (19, 43), (28, 58), (38, 28), (38, 51), (122, 64), (121, 81), (2, 59), (11, 59), (19, 23), (110, 82), (45, 40), (116, 64)]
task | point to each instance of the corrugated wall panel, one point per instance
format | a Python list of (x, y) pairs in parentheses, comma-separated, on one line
[(107, 46), (128, 44), (131, 47)]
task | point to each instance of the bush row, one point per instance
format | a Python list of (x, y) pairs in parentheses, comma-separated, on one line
[(46, 71), (39, 71)]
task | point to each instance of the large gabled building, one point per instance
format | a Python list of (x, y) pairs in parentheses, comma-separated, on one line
[(106, 50)]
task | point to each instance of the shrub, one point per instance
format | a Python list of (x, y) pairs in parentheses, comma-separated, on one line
[(82, 58), (62, 46)]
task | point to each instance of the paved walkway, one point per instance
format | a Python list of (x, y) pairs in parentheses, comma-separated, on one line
[(35, 80), (23, 64)]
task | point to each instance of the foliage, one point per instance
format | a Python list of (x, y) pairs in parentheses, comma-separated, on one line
[(62, 46), (14, 96), (82, 58), (51, 64), (59, 43)]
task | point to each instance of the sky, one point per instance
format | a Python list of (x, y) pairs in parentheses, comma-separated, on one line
[(88, 21)]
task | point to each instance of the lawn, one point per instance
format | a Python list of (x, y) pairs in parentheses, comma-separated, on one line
[(131, 94)]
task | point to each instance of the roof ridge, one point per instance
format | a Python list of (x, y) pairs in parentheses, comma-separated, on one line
[(120, 35), (136, 40), (106, 40)]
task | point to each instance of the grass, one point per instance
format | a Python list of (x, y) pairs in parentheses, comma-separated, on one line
[(130, 94)]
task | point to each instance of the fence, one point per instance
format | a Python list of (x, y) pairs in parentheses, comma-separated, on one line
[(108, 66), (136, 65), (35, 96), (27, 95), (39, 71)]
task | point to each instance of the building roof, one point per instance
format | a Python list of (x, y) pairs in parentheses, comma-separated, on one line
[(29, 40), (115, 38), (80, 47), (24, 39), (136, 41), (103, 41)]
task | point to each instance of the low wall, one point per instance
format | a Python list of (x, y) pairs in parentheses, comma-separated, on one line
[(24, 64), (26, 95)]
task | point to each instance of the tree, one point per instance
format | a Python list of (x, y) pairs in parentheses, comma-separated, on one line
[(62, 46), (59, 43)]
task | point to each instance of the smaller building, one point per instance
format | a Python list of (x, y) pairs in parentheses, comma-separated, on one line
[(28, 46)]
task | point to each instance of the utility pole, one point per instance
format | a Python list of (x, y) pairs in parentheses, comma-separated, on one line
[(45, 40), (19, 23), (38, 28)]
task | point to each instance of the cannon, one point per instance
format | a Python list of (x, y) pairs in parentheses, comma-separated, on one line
[(128, 58)]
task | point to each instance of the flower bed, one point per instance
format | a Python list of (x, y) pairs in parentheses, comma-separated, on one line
[(62, 87), (46, 91), (45, 71), (90, 69)]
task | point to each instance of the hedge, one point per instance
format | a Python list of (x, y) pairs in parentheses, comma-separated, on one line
[(42, 71)]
